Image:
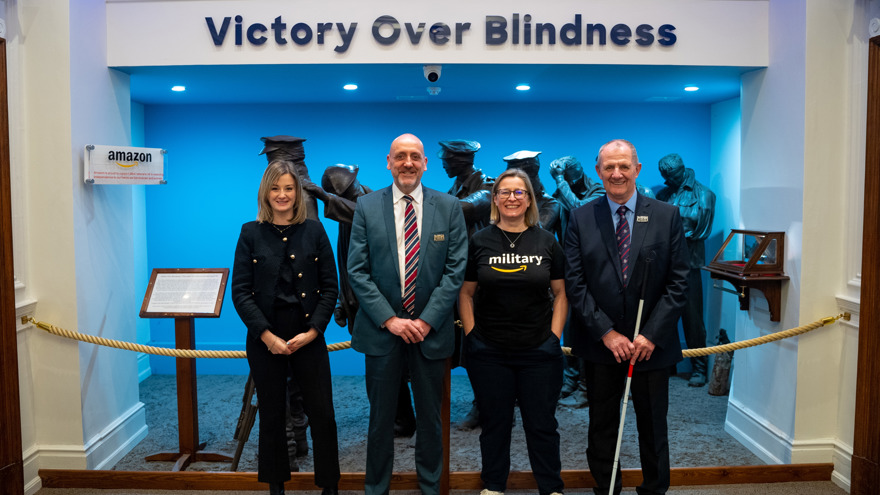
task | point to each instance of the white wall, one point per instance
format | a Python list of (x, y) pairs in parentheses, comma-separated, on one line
[(38, 35), (724, 181), (762, 400), (802, 164), (79, 403), (113, 416)]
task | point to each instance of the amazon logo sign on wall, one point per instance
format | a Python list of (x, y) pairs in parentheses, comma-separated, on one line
[(123, 165)]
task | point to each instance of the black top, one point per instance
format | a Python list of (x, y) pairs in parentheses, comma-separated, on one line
[(513, 303), (270, 266)]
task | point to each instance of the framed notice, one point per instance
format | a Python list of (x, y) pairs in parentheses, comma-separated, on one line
[(123, 165), (185, 292)]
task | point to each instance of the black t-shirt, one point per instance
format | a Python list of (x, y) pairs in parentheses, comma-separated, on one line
[(513, 304)]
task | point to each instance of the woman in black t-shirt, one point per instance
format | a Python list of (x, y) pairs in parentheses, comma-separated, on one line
[(513, 308)]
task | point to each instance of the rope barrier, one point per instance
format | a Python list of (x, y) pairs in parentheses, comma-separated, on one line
[(193, 353), (149, 349)]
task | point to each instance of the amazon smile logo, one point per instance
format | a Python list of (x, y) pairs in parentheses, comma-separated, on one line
[(521, 268)]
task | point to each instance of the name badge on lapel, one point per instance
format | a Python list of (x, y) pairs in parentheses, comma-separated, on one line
[(642, 219), (439, 237)]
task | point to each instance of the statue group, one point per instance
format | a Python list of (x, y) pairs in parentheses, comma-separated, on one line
[(339, 190)]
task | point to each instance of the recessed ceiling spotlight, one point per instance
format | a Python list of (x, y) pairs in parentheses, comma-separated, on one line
[(350, 87), (691, 88), (523, 87), (178, 88)]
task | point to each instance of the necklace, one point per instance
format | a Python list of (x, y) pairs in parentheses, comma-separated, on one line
[(513, 242), (282, 231)]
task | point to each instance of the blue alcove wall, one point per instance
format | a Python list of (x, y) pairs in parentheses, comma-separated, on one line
[(213, 172)]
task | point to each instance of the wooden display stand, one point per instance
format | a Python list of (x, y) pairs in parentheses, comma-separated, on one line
[(752, 259), (184, 294)]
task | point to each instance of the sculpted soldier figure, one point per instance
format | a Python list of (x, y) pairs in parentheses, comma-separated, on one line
[(696, 204), (548, 208), (471, 186), (290, 148), (573, 189), (339, 192), (474, 192)]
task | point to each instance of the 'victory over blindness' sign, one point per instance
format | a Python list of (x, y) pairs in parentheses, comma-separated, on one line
[(123, 165)]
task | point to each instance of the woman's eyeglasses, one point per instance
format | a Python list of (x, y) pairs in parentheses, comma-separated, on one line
[(517, 193)]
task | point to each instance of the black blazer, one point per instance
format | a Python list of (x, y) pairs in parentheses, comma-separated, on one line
[(598, 299), (258, 256)]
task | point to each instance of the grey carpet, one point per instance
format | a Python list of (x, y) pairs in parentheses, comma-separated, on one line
[(696, 425)]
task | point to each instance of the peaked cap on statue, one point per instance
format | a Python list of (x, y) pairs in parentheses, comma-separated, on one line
[(282, 147)]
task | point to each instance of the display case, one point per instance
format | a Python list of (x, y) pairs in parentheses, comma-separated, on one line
[(752, 259)]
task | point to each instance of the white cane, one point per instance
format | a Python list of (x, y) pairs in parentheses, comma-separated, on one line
[(629, 375)]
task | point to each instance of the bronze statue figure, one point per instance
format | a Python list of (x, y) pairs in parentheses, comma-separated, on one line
[(549, 210), (573, 189), (471, 186), (290, 148), (339, 192), (696, 204)]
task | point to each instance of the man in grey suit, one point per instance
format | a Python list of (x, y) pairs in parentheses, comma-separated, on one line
[(394, 333)]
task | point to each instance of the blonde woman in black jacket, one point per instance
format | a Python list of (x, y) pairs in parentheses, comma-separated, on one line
[(284, 288)]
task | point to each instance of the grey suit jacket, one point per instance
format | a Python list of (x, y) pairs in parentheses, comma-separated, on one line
[(374, 273)]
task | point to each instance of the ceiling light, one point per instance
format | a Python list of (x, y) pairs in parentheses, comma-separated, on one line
[(178, 88), (350, 87), (523, 87), (691, 88)]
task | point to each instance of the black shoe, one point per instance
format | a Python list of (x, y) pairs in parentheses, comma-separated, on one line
[(330, 491), (276, 488)]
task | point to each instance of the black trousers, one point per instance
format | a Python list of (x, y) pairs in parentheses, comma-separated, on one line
[(500, 378), (310, 366), (650, 399)]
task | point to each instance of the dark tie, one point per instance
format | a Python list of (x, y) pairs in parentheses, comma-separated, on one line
[(623, 242), (411, 248)]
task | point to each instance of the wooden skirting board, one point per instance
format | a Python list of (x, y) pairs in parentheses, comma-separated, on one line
[(194, 480)]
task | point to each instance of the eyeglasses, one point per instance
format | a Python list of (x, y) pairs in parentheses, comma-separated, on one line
[(517, 193)]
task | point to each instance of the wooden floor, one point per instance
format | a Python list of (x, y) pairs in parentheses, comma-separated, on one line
[(164, 480)]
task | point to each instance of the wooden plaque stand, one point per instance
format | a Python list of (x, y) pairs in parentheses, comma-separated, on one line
[(190, 450)]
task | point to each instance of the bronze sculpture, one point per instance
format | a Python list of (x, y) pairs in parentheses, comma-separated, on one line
[(472, 187), (549, 210), (290, 148), (696, 204)]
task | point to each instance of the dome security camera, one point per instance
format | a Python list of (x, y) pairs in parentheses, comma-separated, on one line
[(432, 72)]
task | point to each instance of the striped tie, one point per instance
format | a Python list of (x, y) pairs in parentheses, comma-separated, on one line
[(623, 242), (411, 268)]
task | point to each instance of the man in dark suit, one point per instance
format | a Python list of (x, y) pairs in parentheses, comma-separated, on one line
[(405, 314), (610, 244)]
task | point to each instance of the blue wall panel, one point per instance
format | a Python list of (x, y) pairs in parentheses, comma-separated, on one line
[(214, 170)]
